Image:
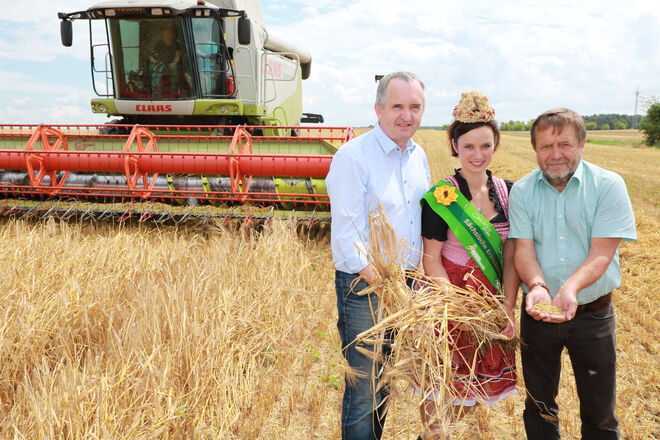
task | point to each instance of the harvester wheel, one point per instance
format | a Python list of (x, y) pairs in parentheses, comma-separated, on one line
[(132, 162), (239, 183), (34, 160)]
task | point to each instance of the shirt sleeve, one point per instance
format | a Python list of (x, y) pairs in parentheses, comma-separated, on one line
[(520, 223), (348, 206), (614, 216)]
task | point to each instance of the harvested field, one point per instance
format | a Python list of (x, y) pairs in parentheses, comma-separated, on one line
[(121, 332)]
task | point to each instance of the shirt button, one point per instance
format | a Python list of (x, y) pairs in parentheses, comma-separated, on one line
[(561, 259), (560, 216), (561, 238)]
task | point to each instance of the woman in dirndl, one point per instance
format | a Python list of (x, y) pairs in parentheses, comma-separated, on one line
[(453, 254)]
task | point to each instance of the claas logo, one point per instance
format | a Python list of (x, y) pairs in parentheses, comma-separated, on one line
[(157, 108)]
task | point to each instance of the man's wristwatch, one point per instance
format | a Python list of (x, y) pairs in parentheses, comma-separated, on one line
[(540, 284)]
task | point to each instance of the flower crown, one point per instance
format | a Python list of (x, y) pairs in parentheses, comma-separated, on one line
[(473, 107)]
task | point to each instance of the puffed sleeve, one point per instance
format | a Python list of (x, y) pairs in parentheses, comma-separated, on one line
[(433, 226)]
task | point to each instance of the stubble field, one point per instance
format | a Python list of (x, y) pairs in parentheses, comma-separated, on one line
[(110, 332)]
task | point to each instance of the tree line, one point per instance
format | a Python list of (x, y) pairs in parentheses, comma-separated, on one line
[(610, 121), (649, 124)]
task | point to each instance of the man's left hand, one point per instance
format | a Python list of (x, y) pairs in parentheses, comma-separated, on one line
[(566, 300)]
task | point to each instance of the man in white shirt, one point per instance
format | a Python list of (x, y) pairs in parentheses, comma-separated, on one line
[(381, 166)]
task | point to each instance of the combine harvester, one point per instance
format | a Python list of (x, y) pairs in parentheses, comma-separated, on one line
[(206, 107)]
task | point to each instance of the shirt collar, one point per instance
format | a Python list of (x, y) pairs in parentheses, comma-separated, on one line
[(579, 172), (387, 144), (577, 175)]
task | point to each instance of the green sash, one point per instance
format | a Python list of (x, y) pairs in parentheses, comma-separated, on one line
[(474, 232)]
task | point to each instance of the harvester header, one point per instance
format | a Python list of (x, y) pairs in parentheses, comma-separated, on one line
[(173, 170)]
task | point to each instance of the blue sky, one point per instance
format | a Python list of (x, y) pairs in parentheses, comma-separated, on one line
[(526, 57)]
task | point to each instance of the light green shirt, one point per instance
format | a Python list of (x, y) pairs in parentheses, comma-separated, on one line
[(594, 204)]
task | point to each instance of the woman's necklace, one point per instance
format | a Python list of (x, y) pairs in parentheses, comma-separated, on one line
[(473, 198), (479, 203)]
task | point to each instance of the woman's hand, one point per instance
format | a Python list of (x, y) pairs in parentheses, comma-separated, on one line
[(509, 331)]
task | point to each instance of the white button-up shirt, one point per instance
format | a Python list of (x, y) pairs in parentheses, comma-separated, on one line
[(366, 171)]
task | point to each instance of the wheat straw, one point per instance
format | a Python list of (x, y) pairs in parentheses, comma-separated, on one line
[(421, 324)]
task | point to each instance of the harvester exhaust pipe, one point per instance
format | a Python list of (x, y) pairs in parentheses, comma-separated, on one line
[(276, 44)]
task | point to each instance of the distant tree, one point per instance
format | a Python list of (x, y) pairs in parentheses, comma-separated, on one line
[(591, 125), (528, 125), (519, 126), (610, 119), (620, 125), (650, 125), (605, 127)]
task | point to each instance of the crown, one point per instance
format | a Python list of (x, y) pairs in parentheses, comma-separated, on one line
[(473, 107)]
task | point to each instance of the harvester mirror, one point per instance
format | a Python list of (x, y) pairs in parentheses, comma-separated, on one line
[(66, 33), (244, 30)]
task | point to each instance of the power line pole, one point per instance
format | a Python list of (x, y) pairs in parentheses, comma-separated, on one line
[(635, 115)]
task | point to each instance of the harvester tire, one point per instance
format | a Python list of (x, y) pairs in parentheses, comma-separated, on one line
[(111, 128)]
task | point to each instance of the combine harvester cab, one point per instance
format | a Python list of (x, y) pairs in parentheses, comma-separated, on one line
[(190, 62), (209, 105)]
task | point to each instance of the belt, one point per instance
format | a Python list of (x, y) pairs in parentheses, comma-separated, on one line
[(597, 304)]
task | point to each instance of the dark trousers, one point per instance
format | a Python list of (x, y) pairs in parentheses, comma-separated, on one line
[(363, 412), (590, 341)]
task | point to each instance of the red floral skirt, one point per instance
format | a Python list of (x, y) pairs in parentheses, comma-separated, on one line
[(494, 365)]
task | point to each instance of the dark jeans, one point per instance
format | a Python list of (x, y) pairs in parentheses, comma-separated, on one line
[(362, 414), (591, 345)]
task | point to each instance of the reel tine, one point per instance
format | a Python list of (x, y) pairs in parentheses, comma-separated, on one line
[(82, 217), (161, 219), (227, 215), (269, 219), (28, 212), (125, 216), (68, 213), (13, 208), (206, 216), (248, 217), (105, 213), (49, 211), (183, 219), (146, 213), (311, 220)]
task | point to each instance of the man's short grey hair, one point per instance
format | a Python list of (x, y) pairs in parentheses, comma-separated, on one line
[(557, 119), (381, 91)]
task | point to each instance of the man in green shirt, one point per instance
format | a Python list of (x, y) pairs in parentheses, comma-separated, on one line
[(567, 220)]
